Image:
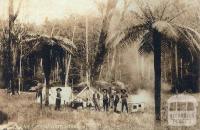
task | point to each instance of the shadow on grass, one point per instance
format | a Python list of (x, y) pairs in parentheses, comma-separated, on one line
[(3, 117)]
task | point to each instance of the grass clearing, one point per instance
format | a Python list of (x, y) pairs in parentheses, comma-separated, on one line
[(27, 114)]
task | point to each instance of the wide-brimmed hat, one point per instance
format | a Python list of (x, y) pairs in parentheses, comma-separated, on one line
[(58, 89), (104, 89), (123, 90), (117, 91)]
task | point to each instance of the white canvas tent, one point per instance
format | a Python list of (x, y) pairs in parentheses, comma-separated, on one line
[(66, 95), (87, 94)]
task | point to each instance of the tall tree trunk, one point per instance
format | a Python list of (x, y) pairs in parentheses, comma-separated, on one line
[(113, 65), (102, 50), (108, 68), (47, 71), (100, 56), (164, 68), (198, 75), (20, 69), (157, 71), (174, 68), (8, 72), (195, 84), (181, 72), (67, 69), (9, 64), (8, 59), (81, 74), (63, 69), (47, 91), (87, 53)]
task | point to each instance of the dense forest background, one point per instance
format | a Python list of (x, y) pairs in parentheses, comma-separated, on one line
[(128, 65)]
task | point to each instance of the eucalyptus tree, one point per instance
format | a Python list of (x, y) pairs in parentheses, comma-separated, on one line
[(8, 45), (106, 10)]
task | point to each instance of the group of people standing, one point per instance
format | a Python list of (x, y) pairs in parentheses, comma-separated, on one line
[(111, 100)]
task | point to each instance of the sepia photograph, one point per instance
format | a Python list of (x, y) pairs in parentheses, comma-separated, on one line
[(99, 64)]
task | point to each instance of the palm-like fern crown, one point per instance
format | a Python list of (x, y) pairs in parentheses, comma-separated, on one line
[(162, 19), (34, 43)]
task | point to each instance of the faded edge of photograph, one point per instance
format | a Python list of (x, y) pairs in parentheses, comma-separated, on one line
[(99, 64)]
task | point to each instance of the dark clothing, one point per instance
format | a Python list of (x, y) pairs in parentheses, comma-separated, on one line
[(126, 105), (58, 101), (58, 95), (116, 100), (39, 95), (111, 101), (105, 105), (105, 97), (124, 97), (105, 101)]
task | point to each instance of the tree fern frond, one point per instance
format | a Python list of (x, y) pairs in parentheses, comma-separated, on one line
[(34, 43), (146, 45)]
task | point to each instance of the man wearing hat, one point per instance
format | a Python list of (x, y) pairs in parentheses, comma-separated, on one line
[(124, 97), (116, 100), (96, 98), (39, 92), (58, 99), (105, 100), (112, 91)]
